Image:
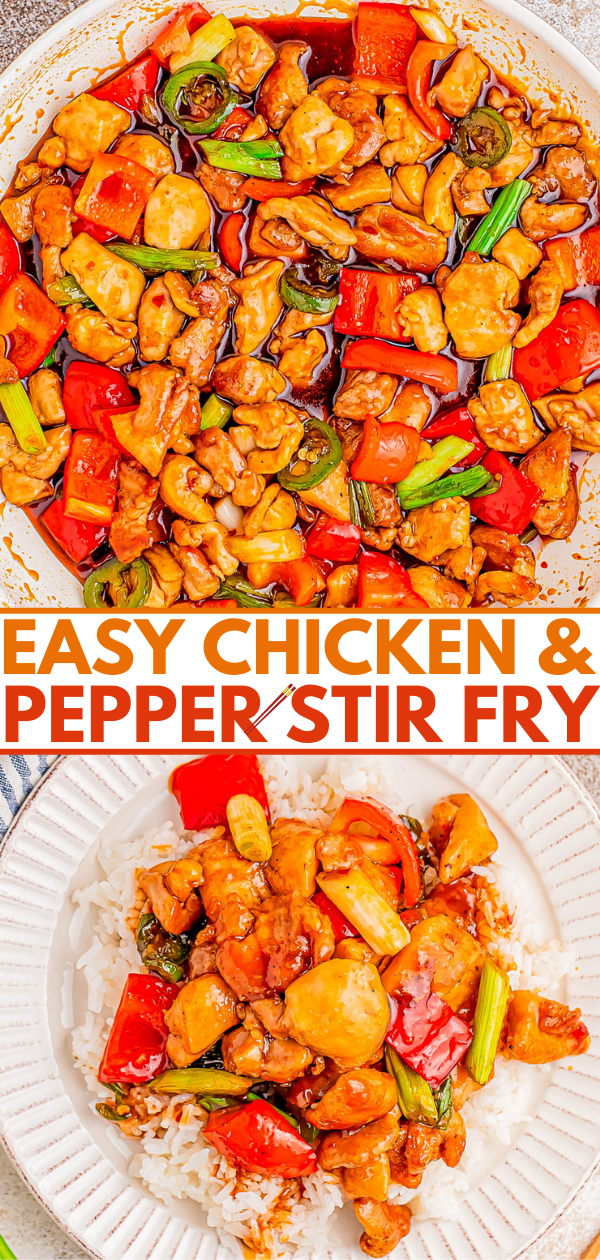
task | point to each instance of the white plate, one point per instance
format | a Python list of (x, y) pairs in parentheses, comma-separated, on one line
[(73, 55), (549, 831)]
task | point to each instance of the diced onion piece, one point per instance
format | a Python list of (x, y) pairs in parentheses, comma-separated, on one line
[(229, 513), (275, 545), (205, 43), (242, 436), (433, 28), (249, 828), (357, 898)]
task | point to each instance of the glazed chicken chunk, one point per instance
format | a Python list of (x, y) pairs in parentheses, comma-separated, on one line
[(285, 87)]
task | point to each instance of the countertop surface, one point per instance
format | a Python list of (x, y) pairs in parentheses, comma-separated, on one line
[(24, 1224)]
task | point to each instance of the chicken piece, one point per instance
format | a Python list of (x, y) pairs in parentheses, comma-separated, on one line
[(467, 843), (278, 428), (159, 321), (557, 518), (548, 465), (298, 322), (478, 297), (29, 173), (229, 877), (373, 1181), (503, 417), (290, 934), (314, 140), (129, 533), (348, 1149), (202, 1011), (342, 587), (411, 406), (175, 914), (338, 1009), (545, 292), (225, 187), (53, 215), (313, 219), (516, 251), (24, 476), (260, 305), (19, 488), (246, 58), (248, 380), (386, 509), (383, 232), (367, 185), (365, 393), (538, 1030), (437, 589), (199, 581), (211, 537), (509, 588), (293, 863), (301, 358), (285, 87), (46, 396), (438, 205), (148, 151), (202, 958), (408, 188), (421, 318), (410, 140), (275, 509), (463, 563), (356, 1098), (89, 126), (385, 1225), (90, 333), (506, 552), (183, 485), (275, 239), (166, 575), (251, 1051), (468, 191), (148, 430), (331, 495), (428, 531), (553, 131), (441, 953), (351, 434), (566, 169), (359, 108), (458, 90), (520, 155), (195, 350), (114, 285), (540, 220), (180, 291), (355, 949), (578, 414), (216, 452), (420, 1145), (177, 213)]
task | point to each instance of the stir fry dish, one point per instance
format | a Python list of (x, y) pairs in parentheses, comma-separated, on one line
[(325, 1000), (301, 312)]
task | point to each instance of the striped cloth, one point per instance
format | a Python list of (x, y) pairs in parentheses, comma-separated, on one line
[(18, 775)]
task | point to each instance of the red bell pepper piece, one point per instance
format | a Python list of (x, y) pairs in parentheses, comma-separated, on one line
[(418, 79), (576, 257), (367, 810), (91, 476), (260, 1139), (264, 189), (341, 927), (217, 605), (385, 36), (428, 1035), (300, 578), (231, 243), (10, 254), (568, 348), (31, 320), (333, 540), (135, 1051), (384, 583), (235, 123), (128, 88), (457, 423), (512, 506), (175, 36), (115, 193), (91, 385), (103, 420), (387, 454), (369, 301), (203, 787), (77, 538), (84, 225), (379, 356)]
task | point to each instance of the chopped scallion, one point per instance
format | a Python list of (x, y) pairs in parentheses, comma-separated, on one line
[(497, 367), (466, 485), (415, 1098), (248, 157), (215, 413), (205, 43), (157, 261), (446, 453), (502, 214), (22, 418), (491, 1006), (66, 291)]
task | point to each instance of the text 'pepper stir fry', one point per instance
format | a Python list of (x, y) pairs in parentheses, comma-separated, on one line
[(327, 1000), (301, 312)]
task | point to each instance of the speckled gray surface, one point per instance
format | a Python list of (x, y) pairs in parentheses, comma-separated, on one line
[(25, 1225)]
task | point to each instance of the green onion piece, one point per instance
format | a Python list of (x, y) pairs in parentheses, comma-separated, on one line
[(443, 1102), (361, 504), (50, 360), (22, 418), (446, 453), (248, 157), (308, 1131), (491, 1006), (213, 1102), (281, 599), (211, 39), (244, 594), (5, 1251), (354, 504), (215, 413), (157, 261), (466, 485), (415, 1098), (413, 824), (305, 297), (65, 291), (497, 367), (290, 1119), (107, 1113), (529, 534), (193, 1080), (503, 212)]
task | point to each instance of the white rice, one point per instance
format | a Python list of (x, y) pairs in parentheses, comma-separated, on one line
[(172, 1160)]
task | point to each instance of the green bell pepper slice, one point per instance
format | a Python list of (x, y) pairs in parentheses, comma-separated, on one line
[(126, 585), (321, 441), (202, 87)]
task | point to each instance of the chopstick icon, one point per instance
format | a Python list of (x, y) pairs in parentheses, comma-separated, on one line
[(283, 695)]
